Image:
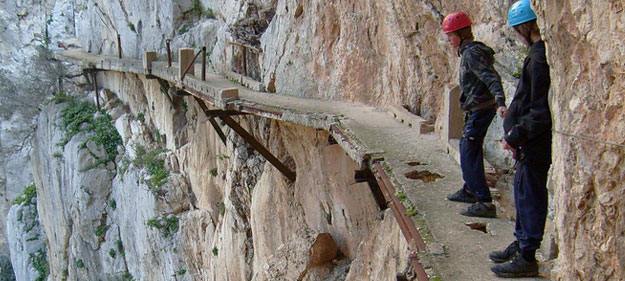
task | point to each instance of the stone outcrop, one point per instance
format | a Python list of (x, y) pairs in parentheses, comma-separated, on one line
[(585, 51)]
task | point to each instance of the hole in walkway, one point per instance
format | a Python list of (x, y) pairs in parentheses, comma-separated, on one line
[(425, 176), (415, 163), (477, 226)]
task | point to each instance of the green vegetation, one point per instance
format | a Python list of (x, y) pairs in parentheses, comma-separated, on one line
[(101, 230), (125, 162), (127, 277), (184, 29), (39, 261), (26, 196), (154, 165), (199, 11), (401, 195), (221, 157), (113, 204), (215, 251), (104, 133), (60, 97), (112, 253), (57, 155), (120, 247), (141, 117), (132, 27), (168, 225), (80, 264), (213, 172), (181, 271), (411, 211)]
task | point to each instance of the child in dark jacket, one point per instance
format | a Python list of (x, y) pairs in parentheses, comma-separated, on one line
[(482, 95), (527, 128)]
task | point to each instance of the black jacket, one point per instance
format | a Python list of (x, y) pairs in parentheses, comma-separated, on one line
[(479, 81), (527, 125)]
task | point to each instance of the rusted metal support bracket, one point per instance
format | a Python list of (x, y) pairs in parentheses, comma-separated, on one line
[(408, 229), (221, 134), (168, 43), (204, 63), (220, 113), (259, 147), (119, 46), (95, 87), (365, 175), (184, 74), (204, 108), (164, 88)]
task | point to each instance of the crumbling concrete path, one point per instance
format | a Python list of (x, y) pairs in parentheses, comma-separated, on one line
[(455, 251)]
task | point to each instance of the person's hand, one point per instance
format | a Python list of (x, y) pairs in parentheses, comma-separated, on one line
[(506, 146), (501, 110)]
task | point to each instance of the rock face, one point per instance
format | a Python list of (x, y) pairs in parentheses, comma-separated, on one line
[(585, 50), (221, 212), (25, 235)]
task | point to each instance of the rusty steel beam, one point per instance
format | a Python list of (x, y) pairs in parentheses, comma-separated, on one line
[(219, 113), (95, 89), (366, 175), (204, 63), (184, 74), (167, 42), (406, 224), (221, 134), (259, 147), (119, 45)]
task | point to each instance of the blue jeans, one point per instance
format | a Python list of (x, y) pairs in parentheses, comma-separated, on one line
[(530, 200), (472, 154)]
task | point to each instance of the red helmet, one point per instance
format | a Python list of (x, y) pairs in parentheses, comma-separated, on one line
[(456, 21)]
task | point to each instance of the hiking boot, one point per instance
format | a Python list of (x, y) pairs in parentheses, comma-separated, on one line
[(462, 196), (505, 255), (518, 267), (480, 209)]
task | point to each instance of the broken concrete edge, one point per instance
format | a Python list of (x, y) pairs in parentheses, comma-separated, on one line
[(426, 256), (419, 217), (422, 126), (246, 81)]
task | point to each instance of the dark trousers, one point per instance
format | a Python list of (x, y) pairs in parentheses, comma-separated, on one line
[(530, 199), (472, 154)]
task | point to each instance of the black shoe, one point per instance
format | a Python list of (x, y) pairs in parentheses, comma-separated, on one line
[(505, 255), (518, 267), (480, 209), (462, 196)]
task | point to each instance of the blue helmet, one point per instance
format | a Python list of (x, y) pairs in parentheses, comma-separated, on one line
[(520, 12)]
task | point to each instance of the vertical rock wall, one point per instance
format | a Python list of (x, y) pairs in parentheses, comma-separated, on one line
[(586, 47)]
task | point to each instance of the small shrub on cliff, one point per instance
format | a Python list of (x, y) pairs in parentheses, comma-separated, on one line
[(39, 261), (112, 253), (101, 230), (80, 264), (26, 196), (168, 225), (153, 164), (215, 251), (104, 133)]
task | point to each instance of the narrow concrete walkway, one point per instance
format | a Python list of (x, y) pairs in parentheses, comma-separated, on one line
[(455, 250)]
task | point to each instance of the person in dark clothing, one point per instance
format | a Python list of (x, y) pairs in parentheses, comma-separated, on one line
[(482, 95), (527, 128)]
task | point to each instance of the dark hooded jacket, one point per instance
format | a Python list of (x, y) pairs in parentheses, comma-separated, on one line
[(527, 125), (479, 81)]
